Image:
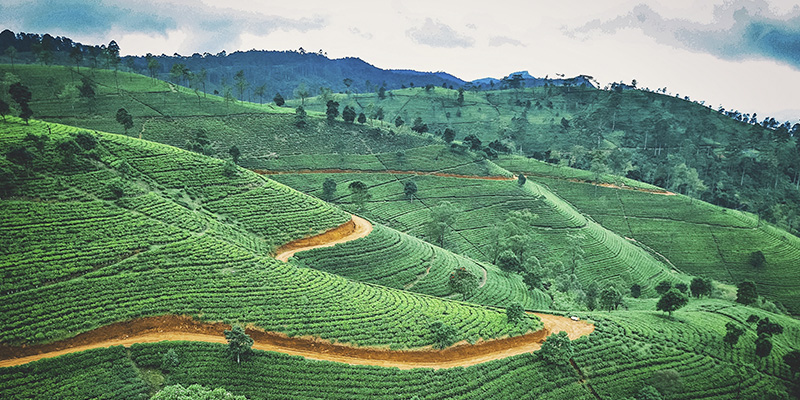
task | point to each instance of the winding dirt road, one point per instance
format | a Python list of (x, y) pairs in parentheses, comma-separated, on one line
[(172, 328), (354, 229)]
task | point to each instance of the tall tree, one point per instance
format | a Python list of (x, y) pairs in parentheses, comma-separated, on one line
[(278, 99), (700, 287), (732, 334), (300, 117), (152, 65), (464, 282), (11, 52), (239, 343), (360, 193), (328, 189), (410, 190), (235, 153), (672, 300), (125, 119), (557, 349), (349, 114), (259, 91), (21, 94), (302, 92), (241, 83), (76, 54), (747, 293), (442, 216), (332, 110)]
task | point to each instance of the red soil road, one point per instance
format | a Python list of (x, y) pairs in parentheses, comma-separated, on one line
[(354, 229), (171, 327)]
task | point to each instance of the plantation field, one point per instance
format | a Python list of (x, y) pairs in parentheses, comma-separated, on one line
[(626, 352), (482, 207), (698, 238), (183, 237)]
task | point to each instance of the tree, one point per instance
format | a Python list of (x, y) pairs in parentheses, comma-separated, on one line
[(672, 300), (235, 153), (649, 393), (152, 65), (757, 259), (398, 122), (278, 99), (382, 93), (636, 290), (349, 114), (763, 346), (663, 287), (767, 328), (170, 360), (362, 118), (177, 72), (87, 93), (300, 117), (302, 92), (460, 98), (449, 135), (700, 287), (442, 216), (77, 57), (239, 343), (443, 335), (5, 109), (202, 77), (792, 359), (194, 392), (464, 282), (229, 169), (667, 381), (260, 91), (360, 193), (746, 293), (11, 52), (332, 110), (473, 142), (515, 313), (508, 261), (610, 298), (732, 334), (124, 119), (521, 179), (328, 189), (22, 96), (557, 349), (418, 126), (682, 287), (410, 189), (241, 83)]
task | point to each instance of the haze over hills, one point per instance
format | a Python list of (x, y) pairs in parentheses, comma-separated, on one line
[(137, 206)]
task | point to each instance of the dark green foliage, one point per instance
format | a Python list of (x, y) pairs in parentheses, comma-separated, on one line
[(648, 393), (229, 169), (636, 290), (419, 126), (332, 110), (610, 299), (442, 216), (557, 349), (592, 293), (194, 392), (667, 381), (763, 346), (200, 142), (515, 313), (672, 300), (86, 140), (125, 119), (360, 193), (362, 118), (460, 98), (752, 319), (5, 109), (398, 122), (464, 282), (278, 99), (21, 94), (300, 117), (733, 333), (682, 287), (663, 287), (328, 189), (69, 150), (747, 293), (757, 259), (701, 287), (449, 135), (532, 280), (473, 142), (508, 261), (521, 179), (239, 343), (792, 359), (235, 153), (116, 189), (410, 189), (20, 155), (443, 335), (767, 328), (25, 112), (170, 361), (349, 114)]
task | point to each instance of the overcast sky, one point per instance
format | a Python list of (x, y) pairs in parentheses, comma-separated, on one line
[(742, 54)]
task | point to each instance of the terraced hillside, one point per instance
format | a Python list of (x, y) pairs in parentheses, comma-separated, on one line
[(136, 228), (711, 241)]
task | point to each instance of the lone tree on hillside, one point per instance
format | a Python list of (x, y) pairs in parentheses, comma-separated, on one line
[(557, 349), (610, 298), (757, 259), (792, 359), (733, 332), (332, 110), (349, 114), (362, 118), (442, 216), (22, 96), (515, 313), (700, 287), (235, 153), (125, 119), (663, 287), (360, 193), (636, 290), (278, 99), (302, 92), (746, 293), (449, 135), (521, 179), (464, 282), (473, 142), (241, 83), (410, 189), (300, 117), (259, 91), (672, 300), (239, 343), (443, 335), (398, 122), (328, 189), (419, 126)]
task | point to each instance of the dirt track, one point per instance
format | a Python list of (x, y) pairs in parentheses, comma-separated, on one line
[(356, 228), (168, 327)]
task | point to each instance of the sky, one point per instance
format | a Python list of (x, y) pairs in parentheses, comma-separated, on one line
[(740, 54)]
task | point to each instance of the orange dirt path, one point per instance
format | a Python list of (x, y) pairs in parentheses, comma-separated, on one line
[(382, 171), (354, 229), (171, 327)]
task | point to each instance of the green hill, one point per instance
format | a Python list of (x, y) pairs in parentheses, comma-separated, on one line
[(135, 228)]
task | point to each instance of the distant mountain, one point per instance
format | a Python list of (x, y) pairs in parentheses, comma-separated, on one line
[(525, 79)]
